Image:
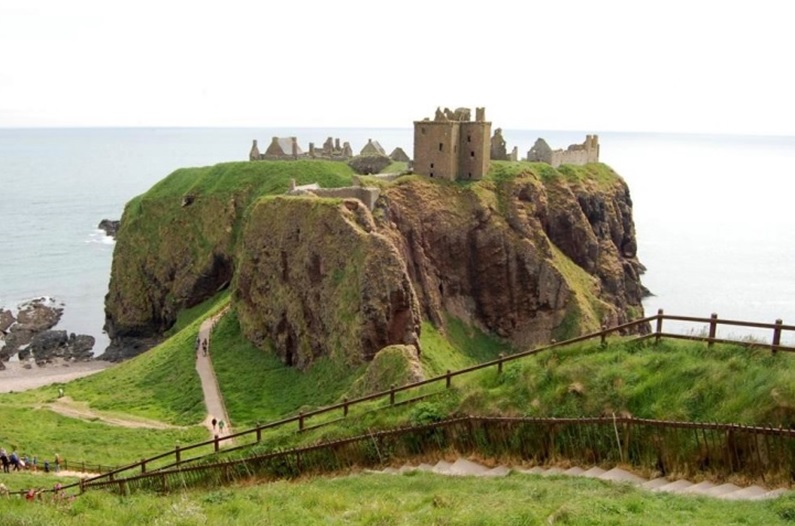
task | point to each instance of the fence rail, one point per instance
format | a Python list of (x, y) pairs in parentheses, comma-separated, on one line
[(640, 327), (652, 446)]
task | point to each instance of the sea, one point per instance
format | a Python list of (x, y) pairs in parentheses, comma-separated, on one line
[(713, 213)]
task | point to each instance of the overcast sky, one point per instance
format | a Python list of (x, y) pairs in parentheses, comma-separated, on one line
[(668, 66)]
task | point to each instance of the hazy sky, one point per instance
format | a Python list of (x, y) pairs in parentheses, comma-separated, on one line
[(686, 66)]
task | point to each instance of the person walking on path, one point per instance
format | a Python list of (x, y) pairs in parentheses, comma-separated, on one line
[(214, 422), (204, 347), (57, 462), (221, 426)]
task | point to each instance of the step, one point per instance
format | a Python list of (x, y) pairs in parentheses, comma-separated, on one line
[(774, 494), (620, 475), (552, 471), (723, 489), (594, 472), (408, 468), (464, 467), (574, 472), (699, 489), (424, 467), (390, 471), (749, 493), (675, 487), (655, 483), (499, 471), (441, 467)]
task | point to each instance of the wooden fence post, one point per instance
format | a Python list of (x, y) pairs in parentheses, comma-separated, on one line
[(176, 454), (259, 433), (392, 394), (499, 363), (82, 486), (215, 440), (713, 328), (603, 343), (345, 406), (143, 465), (300, 420), (658, 332), (448, 379), (776, 335)]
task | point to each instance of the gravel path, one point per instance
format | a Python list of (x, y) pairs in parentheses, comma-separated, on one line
[(212, 394)]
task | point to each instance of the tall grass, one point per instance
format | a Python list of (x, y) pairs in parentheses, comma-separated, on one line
[(415, 498)]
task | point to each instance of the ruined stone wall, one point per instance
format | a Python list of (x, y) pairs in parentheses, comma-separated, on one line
[(579, 154), (365, 194), (436, 149)]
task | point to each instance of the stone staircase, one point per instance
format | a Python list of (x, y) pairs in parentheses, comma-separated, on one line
[(464, 467)]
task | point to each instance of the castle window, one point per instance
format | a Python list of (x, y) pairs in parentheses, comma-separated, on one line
[(422, 130), (431, 165), (469, 138), (431, 174), (470, 175), (455, 148), (441, 146), (472, 154)]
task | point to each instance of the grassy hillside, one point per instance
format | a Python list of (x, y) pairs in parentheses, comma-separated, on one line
[(417, 498)]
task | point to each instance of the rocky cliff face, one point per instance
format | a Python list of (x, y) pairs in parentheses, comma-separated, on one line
[(497, 253), (316, 279), (530, 254)]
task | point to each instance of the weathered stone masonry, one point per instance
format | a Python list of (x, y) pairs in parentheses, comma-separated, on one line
[(451, 146)]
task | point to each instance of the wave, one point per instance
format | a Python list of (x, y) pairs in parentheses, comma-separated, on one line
[(99, 237)]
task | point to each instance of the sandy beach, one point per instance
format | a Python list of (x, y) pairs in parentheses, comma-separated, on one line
[(16, 378)]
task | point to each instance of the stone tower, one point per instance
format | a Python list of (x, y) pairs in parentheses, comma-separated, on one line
[(451, 146)]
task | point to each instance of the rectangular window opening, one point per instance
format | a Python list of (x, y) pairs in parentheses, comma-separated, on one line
[(441, 146)]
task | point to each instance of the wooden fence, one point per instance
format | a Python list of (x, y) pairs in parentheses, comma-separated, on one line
[(651, 446), (178, 456)]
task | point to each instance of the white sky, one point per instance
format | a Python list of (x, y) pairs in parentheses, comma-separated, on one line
[(669, 66)]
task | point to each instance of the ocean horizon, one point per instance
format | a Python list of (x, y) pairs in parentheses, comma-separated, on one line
[(711, 211)]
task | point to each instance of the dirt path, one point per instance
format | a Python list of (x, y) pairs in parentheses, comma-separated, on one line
[(67, 407), (212, 394)]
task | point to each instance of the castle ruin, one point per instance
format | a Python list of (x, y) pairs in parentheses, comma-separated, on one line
[(587, 152), (287, 149), (451, 146)]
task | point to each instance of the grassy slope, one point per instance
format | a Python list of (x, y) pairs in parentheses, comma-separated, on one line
[(417, 498)]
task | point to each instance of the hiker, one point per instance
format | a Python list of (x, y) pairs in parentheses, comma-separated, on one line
[(60, 392), (5, 460), (57, 462), (213, 422), (14, 459), (220, 426), (204, 347)]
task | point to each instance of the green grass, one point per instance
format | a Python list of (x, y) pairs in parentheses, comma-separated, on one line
[(416, 498), (257, 386), (395, 167), (44, 433), (457, 347)]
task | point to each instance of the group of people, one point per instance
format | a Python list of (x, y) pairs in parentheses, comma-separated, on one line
[(14, 462)]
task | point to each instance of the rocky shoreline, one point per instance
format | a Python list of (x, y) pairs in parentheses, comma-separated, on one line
[(27, 335)]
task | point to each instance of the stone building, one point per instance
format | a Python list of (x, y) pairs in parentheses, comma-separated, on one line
[(451, 146), (280, 148), (331, 150), (398, 155), (373, 148), (587, 152)]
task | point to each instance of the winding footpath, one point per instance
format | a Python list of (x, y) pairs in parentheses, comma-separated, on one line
[(213, 400)]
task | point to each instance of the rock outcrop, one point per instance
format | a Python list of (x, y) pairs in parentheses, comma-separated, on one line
[(110, 226), (530, 254), (316, 279), (29, 334)]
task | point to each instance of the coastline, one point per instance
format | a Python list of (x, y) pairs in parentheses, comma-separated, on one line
[(16, 377)]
